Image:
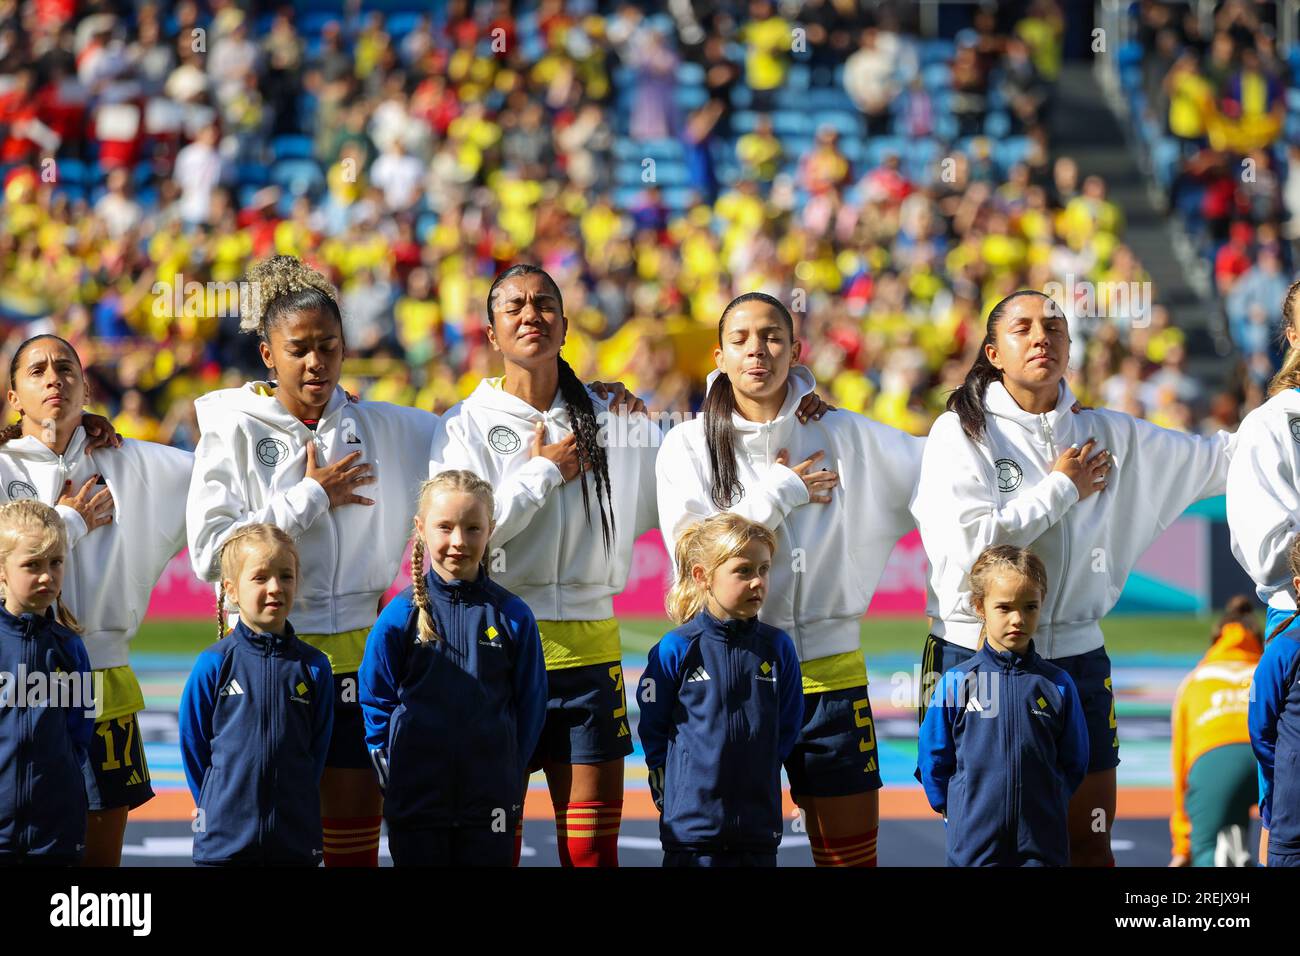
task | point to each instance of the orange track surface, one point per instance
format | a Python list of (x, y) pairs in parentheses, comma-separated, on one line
[(1134, 802)]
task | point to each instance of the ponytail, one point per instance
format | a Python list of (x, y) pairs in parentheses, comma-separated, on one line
[(1293, 560), (720, 436), (685, 597), (1288, 376), (720, 405), (63, 614), (968, 399)]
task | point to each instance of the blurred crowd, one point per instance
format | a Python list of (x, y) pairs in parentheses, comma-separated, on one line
[(1219, 90), (149, 154)]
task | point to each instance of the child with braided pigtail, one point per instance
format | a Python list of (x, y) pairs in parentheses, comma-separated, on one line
[(453, 691)]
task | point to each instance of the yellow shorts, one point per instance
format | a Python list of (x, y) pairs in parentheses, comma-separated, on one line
[(568, 644), (837, 672)]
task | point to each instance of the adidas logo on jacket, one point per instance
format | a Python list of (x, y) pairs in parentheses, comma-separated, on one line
[(452, 723), (721, 708), (1002, 748), (42, 748), (255, 722)]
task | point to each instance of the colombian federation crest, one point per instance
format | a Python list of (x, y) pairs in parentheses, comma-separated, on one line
[(272, 451), (504, 440), (20, 489), (1009, 475)]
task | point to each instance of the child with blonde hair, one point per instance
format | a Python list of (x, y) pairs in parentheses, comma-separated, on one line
[(453, 690), (721, 702), (256, 716), (45, 735), (338, 477), (1004, 744)]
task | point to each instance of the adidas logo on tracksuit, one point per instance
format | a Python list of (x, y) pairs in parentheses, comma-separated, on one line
[(231, 689), (698, 674)]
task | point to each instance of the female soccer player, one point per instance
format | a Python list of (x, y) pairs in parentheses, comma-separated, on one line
[(296, 453), (534, 436), (1014, 461), (125, 518), (837, 513)]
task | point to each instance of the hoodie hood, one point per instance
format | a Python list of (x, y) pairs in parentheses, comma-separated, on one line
[(799, 383), (492, 395), (257, 399), (998, 401), (31, 448)]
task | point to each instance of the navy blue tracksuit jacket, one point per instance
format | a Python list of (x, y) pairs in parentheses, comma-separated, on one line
[(721, 708), (46, 722), (452, 723), (1002, 749), (255, 723), (1274, 720)]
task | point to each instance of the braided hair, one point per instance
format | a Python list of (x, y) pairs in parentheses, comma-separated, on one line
[(582, 415), (450, 480), (235, 549), (1293, 559)]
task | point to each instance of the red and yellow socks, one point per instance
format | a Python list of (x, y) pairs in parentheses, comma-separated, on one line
[(856, 850), (351, 841), (588, 833)]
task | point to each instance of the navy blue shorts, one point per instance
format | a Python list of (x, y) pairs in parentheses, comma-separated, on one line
[(835, 755), (116, 774), (586, 717), (1090, 673), (348, 750), (684, 858)]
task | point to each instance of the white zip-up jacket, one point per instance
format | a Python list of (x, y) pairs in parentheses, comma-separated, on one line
[(250, 467), (111, 571), (829, 557), (1003, 491), (1264, 496), (553, 555)]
